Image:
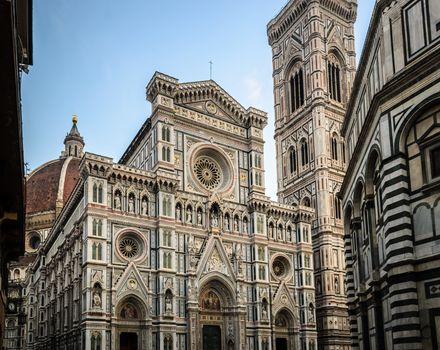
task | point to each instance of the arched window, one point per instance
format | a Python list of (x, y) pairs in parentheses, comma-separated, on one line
[(94, 253), (100, 251), (168, 155), (261, 253), (76, 151), (292, 160), (100, 194), (95, 192), (164, 153), (334, 79), (338, 209), (99, 228), (304, 152), (167, 260), (164, 133), (96, 341), (296, 90), (334, 147), (167, 238), (168, 342)]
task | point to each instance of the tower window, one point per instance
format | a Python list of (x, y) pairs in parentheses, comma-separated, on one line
[(334, 148), (304, 153), (334, 81), (297, 90), (166, 134), (292, 160)]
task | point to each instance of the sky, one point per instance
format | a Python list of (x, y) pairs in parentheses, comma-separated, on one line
[(95, 58)]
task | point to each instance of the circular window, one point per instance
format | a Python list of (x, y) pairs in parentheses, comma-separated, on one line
[(211, 168), (280, 266), (208, 172), (130, 246), (34, 242)]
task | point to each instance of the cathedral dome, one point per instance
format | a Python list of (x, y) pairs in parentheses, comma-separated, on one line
[(49, 186)]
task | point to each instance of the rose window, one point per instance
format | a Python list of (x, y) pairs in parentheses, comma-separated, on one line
[(129, 247), (208, 172), (280, 266)]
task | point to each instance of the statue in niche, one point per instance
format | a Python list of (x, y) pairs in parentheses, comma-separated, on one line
[(168, 303), (245, 226), (118, 201), (96, 300), (264, 311), (311, 313), (236, 224), (199, 217), (144, 207), (178, 213), (192, 262), (188, 215), (214, 219), (131, 204), (240, 265), (227, 223)]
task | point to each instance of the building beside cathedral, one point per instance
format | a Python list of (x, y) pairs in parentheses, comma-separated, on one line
[(313, 55), (391, 192), (176, 246)]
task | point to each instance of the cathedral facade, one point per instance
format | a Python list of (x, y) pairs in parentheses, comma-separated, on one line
[(391, 189), (176, 246), (313, 70)]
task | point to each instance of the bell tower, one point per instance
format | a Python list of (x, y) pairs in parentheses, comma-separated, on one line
[(313, 56)]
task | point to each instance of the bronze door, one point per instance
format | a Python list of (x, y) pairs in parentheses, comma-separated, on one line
[(281, 344), (212, 338), (128, 341)]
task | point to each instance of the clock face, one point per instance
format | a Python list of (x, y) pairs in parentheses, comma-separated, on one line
[(11, 306)]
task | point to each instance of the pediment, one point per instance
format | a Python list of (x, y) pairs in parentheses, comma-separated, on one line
[(208, 98), (283, 299), (130, 281), (212, 109), (215, 260), (334, 36)]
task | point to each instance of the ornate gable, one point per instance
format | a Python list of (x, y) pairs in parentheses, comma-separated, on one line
[(206, 97), (131, 282), (283, 299), (215, 260)]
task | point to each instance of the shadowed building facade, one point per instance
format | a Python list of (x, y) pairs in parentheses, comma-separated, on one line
[(391, 192)]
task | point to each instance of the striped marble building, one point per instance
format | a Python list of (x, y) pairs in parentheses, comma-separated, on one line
[(391, 192)]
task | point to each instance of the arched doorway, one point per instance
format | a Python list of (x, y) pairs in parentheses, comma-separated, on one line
[(284, 333), (130, 326), (218, 322)]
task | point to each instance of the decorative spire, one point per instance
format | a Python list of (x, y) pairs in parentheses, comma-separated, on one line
[(74, 143)]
